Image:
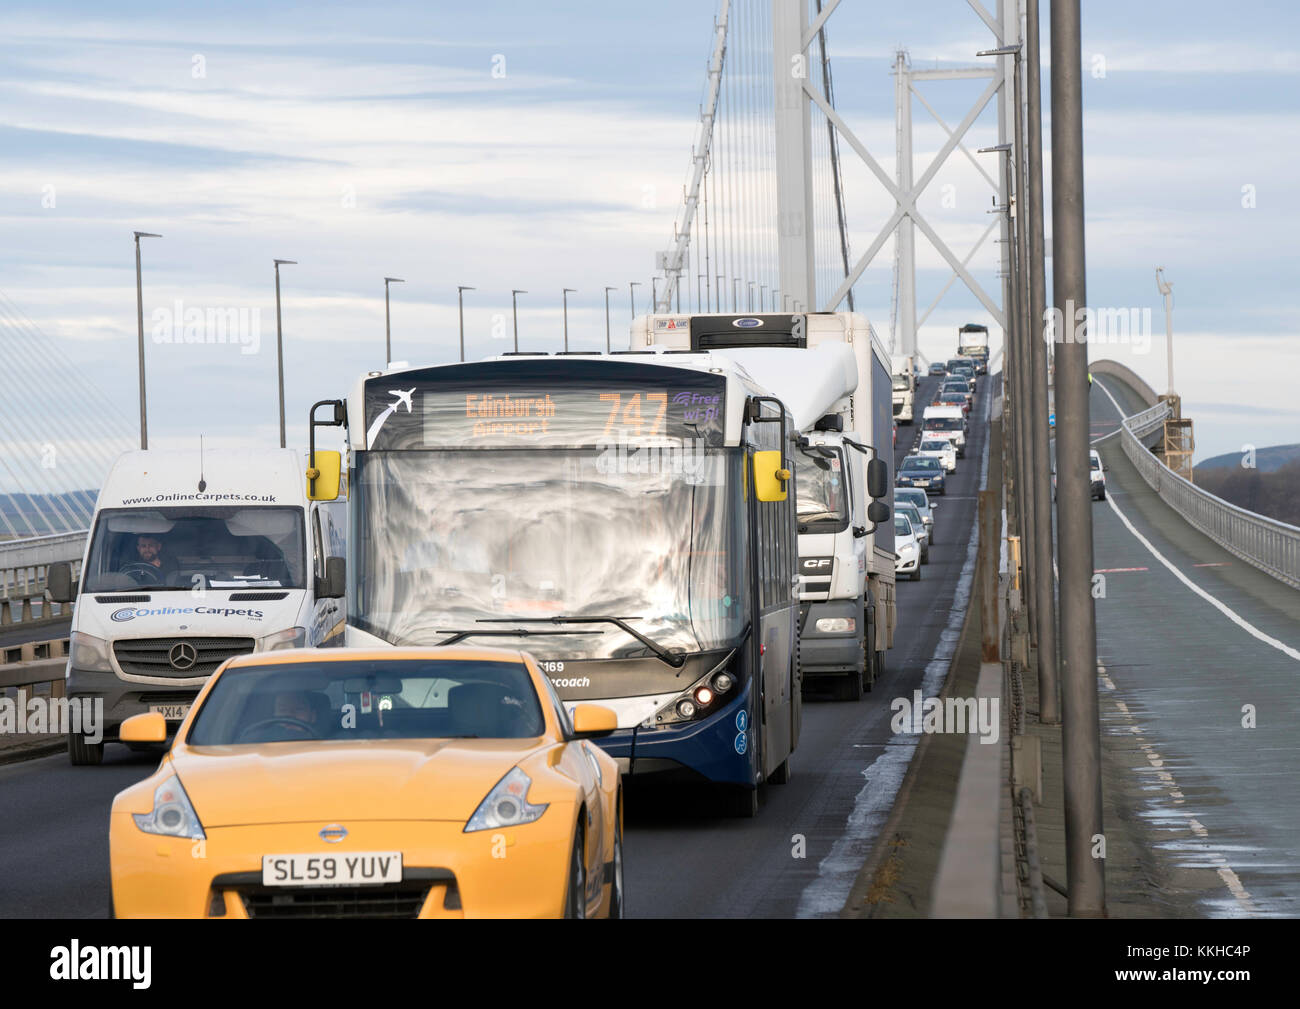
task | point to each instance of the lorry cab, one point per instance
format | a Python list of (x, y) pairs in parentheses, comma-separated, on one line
[(192, 559)]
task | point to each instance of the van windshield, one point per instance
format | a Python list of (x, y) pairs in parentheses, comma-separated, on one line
[(184, 548)]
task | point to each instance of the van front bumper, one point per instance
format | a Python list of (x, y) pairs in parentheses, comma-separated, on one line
[(122, 699)]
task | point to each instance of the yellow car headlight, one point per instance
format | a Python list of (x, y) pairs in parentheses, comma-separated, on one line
[(506, 805), (172, 814)]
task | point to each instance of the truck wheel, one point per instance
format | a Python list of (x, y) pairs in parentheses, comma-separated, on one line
[(849, 688), (81, 753)]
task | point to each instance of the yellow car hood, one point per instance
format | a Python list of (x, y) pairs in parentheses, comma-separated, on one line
[(408, 779)]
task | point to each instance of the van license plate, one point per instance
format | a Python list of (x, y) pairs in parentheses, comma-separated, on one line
[(171, 712)]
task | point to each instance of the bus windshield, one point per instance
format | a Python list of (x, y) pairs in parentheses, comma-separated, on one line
[(443, 540), (196, 547)]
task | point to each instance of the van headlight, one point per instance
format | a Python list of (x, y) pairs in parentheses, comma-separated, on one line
[(293, 637), (837, 625), (506, 805), (172, 815), (89, 653)]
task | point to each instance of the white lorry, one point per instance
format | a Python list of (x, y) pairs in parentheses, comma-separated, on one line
[(973, 342), (194, 557), (903, 379), (833, 374)]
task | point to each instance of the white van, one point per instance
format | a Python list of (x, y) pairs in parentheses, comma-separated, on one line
[(947, 422), (192, 559)]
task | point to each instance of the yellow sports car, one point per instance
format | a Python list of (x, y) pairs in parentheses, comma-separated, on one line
[(344, 782)]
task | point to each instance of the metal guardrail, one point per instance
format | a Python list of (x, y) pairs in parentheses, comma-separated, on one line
[(24, 565), (1264, 543)]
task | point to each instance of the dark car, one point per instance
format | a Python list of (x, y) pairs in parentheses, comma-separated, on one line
[(938, 368), (921, 471)]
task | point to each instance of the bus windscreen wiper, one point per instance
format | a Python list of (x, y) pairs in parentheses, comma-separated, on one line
[(674, 659), (479, 632)]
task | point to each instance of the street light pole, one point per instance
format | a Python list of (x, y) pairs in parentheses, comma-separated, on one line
[(567, 292), (514, 311), (460, 307), (388, 331), (1167, 289), (1049, 686), (608, 348), (632, 294), (1081, 728), (139, 318), (279, 340)]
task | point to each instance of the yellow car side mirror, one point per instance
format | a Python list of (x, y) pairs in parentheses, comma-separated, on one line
[(770, 476), (150, 727), (324, 471), (592, 720)]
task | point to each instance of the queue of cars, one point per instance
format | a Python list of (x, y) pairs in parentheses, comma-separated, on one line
[(922, 474)]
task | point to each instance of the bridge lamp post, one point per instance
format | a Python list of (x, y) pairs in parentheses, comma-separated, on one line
[(388, 330), (139, 318), (654, 294), (514, 312), (1167, 289), (460, 308), (279, 340), (567, 291), (631, 293), (607, 345)]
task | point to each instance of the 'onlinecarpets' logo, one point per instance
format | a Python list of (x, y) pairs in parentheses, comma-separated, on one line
[(131, 612)]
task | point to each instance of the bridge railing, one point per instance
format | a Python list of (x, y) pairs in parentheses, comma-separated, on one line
[(24, 565), (1265, 543)]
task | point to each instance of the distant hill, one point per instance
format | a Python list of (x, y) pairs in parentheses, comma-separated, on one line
[(1275, 493), (1266, 459)]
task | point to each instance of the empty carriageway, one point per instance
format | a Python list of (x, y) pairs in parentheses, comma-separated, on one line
[(1199, 665)]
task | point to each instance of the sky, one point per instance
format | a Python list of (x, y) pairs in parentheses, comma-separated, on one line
[(512, 145)]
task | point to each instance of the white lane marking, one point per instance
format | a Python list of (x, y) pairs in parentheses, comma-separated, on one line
[(1231, 614), (1227, 611), (1225, 871), (825, 895), (1118, 409)]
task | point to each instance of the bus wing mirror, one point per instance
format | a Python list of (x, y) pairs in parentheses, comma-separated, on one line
[(877, 512), (58, 580), (323, 475), (770, 476), (877, 478), (333, 585)]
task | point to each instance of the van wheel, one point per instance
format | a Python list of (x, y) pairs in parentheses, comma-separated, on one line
[(82, 753)]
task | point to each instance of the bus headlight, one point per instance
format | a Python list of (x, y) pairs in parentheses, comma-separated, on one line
[(703, 696), (723, 682), (686, 708)]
